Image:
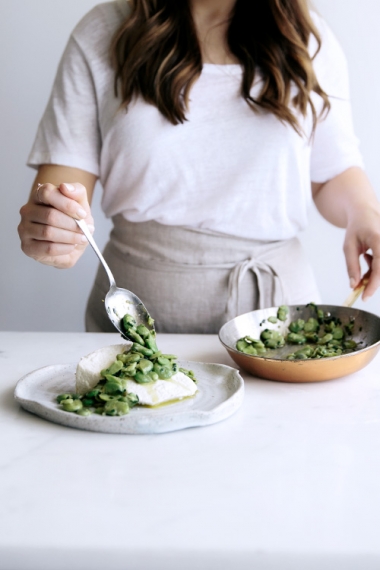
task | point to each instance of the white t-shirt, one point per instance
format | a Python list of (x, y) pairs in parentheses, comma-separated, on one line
[(226, 169)]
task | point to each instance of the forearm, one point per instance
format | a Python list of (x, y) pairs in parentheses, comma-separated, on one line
[(341, 199), (349, 201)]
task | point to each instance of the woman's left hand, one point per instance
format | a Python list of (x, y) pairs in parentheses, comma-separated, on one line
[(349, 201), (362, 235)]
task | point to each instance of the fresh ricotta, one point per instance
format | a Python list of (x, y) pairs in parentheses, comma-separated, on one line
[(179, 386), (89, 367)]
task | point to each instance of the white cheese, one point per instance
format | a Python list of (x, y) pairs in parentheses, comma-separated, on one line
[(89, 367), (179, 386)]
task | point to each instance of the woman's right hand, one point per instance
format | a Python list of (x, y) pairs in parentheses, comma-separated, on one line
[(47, 230)]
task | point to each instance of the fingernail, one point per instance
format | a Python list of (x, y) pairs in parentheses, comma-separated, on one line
[(69, 187), (352, 282), (91, 228), (83, 239), (81, 213)]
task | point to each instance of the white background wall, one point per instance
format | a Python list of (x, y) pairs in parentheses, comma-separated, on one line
[(32, 37)]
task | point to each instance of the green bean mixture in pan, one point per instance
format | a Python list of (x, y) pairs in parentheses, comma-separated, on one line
[(321, 336), (143, 363)]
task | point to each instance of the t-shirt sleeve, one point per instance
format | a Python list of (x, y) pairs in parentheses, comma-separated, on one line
[(68, 133), (334, 146)]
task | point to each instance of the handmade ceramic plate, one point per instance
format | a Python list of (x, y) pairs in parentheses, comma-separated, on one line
[(220, 394)]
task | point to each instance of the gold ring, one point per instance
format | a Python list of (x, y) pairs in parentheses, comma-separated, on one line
[(38, 197)]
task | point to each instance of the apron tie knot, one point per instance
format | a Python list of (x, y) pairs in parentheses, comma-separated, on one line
[(269, 286)]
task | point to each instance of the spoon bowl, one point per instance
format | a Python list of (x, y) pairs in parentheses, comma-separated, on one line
[(119, 302)]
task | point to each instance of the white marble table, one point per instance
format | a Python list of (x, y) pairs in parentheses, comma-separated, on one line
[(290, 482)]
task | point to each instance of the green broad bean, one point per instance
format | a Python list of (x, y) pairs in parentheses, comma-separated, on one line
[(133, 399), (188, 373), (295, 338), (114, 368), (150, 342), (142, 378), (320, 315), (282, 313), (169, 356), (272, 320), (334, 344), (71, 405), (87, 402), (242, 345), (325, 339), (164, 372), (145, 366), (304, 353), (153, 375), (349, 344), (145, 351), (272, 339), (129, 358), (106, 397), (133, 335), (156, 355), (311, 326), (311, 337), (297, 326), (129, 321), (116, 408), (143, 331), (112, 388), (83, 412), (92, 393), (307, 349), (271, 343), (250, 350), (320, 351), (131, 369), (251, 346), (338, 333), (111, 378), (62, 397), (300, 356), (258, 345)]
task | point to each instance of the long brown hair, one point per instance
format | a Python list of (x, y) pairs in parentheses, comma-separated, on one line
[(156, 54)]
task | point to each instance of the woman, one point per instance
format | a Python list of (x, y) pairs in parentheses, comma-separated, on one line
[(211, 126)]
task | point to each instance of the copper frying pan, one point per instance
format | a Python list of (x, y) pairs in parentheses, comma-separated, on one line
[(274, 365)]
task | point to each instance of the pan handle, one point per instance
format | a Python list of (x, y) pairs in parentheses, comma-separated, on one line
[(355, 293)]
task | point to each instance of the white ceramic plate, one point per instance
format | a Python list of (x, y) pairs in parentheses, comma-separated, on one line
[(221, 393)]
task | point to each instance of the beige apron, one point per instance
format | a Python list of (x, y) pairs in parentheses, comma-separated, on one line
[(193, 281)]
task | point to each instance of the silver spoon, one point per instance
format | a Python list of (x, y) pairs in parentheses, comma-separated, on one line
[(119, 302)]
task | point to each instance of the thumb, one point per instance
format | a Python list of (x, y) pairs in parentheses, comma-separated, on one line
[(76, 191)]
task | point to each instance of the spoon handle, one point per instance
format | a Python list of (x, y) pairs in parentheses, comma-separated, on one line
[(83, 226)]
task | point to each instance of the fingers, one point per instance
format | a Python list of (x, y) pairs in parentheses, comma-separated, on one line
[(374, 278), (70, 199), (47, 229), (352, 252)]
